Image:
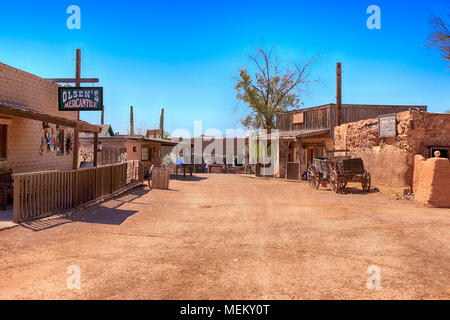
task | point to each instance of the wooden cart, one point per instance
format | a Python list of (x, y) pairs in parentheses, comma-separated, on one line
[(338, 172)]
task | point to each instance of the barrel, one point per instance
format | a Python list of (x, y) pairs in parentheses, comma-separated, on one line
[(160, 178)]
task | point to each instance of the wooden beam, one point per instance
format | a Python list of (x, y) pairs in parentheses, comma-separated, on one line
[(87, 127), (73, 80), (78, 74), (25, 112)]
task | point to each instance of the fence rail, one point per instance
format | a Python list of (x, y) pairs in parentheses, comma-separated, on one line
[(41, 194)]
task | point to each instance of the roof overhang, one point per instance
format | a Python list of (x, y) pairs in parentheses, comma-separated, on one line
[(29, 113), (124, 138), (296, 134)]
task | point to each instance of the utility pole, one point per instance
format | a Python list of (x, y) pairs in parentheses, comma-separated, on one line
[(102, 120), (338, 94), (78, 72)]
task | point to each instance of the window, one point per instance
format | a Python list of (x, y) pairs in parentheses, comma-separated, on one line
[(3, 140), (147, 154), (159, 153), (443, 151)]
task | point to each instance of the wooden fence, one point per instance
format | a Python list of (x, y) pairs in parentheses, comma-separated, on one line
[(41, 194)]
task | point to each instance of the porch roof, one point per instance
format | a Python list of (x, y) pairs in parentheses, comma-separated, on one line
[(303, 133), (29, 113)]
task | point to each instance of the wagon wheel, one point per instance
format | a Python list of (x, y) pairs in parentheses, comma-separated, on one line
[(313, 177), (150, 176), (365, 181), (334, 181)]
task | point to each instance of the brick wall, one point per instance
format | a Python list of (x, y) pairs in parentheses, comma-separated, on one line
[(24, 135), (390, 161)]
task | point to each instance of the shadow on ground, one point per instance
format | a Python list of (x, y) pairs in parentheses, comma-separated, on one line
[(99, 214), (187, 178)]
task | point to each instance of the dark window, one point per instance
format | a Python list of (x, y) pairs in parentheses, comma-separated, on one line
[(444, 152), (3, 140), (146, 154)]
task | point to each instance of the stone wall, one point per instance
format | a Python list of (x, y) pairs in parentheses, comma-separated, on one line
[(24, 136), (432, 182), (390, 161)]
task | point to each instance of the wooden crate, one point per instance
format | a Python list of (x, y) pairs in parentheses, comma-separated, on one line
[(160, 178), (293, 171)]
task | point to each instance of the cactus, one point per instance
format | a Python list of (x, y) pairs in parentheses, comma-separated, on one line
[(161, 121), (131, 121)]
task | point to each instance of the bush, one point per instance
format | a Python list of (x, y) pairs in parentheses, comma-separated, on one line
[(167, 161)]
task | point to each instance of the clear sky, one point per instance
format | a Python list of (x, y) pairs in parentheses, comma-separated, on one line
[(183, 55)]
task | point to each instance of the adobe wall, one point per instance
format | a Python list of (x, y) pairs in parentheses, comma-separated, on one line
[(390, 161), (24, 137), (432, 182)]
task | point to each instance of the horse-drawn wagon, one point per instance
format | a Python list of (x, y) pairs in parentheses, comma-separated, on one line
[(338, 171)]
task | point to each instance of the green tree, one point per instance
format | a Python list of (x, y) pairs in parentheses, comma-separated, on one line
[(274, 88), (440, 37)]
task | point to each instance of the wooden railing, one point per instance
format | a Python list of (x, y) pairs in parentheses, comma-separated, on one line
[(40, 194)]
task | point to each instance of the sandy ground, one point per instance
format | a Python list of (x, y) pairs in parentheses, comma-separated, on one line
[(233, 237)]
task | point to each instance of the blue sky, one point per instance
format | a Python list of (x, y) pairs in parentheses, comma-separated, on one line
[(183, 55)]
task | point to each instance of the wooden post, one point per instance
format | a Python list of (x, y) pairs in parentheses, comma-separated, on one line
[(95, 149), (78, 72), (17, 204), (76, 152), (76, 147), (338, 94), (102, 120)]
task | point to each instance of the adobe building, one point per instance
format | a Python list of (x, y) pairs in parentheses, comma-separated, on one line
[(390, 158), (309, 133), (34, 134)]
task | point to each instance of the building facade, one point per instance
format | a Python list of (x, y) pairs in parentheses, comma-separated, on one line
[(309, 133), (34, 135)]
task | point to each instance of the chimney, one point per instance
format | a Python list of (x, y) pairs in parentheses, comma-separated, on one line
[(338, 94), (131, 121)]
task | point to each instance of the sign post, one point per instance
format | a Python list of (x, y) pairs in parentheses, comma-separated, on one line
[(80, 98), (387, 125)]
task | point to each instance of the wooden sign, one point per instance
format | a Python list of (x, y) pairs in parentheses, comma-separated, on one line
[(387, 125), (80, 99), (298, 118)]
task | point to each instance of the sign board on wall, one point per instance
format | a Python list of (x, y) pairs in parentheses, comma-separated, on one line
[(80, 99), (387, 126), (298, 118)]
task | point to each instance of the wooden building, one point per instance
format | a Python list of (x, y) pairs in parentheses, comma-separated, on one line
[(308, 133), (140, 148)]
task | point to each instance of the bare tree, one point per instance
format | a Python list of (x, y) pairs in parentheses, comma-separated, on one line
[(275, 87), (440, 37)]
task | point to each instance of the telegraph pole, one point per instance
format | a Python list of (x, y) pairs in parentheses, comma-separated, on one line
[(78, 72), (338, 94)]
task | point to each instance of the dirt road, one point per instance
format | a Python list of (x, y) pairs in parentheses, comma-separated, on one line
[(233, 237)]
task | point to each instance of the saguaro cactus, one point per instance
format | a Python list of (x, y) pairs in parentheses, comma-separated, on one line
[(161, 121), (131, 121)]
